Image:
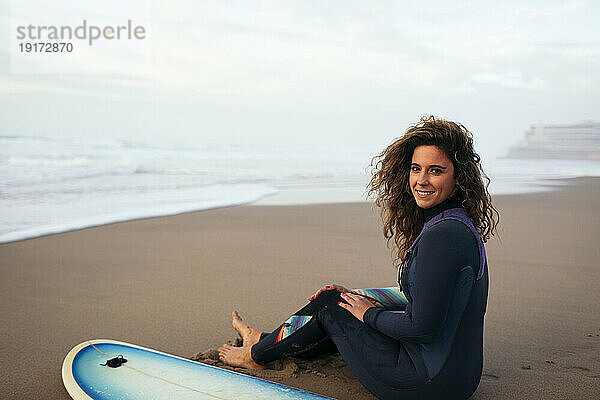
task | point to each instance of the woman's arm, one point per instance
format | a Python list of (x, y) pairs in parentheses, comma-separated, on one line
[(443, 250)]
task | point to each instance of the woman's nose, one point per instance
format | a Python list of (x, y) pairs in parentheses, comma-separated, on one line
[(422, 179)]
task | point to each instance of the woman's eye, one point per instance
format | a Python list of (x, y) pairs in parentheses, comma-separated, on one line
[(414, 169), (436, 171)]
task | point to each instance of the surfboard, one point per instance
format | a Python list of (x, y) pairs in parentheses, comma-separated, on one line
[(103, 369)]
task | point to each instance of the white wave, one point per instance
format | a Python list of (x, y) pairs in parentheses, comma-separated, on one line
[(88, 211), (49, 162), (50, 185)]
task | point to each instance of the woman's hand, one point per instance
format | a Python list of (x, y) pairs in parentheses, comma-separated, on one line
[(328, 287), (357, 305)]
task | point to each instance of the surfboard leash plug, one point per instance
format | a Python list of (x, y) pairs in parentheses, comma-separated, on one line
[(115, 362)]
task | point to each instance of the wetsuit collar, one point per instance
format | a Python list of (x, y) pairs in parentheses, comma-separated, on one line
[(450, 202)]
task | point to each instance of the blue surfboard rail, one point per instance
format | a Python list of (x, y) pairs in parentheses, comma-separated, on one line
[(152, 374)]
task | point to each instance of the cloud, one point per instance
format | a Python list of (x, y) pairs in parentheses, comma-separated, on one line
[(345, 69), (511, 80), (273, 48), (556, 10)]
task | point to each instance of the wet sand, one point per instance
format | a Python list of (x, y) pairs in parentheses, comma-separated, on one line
[(170, 283)]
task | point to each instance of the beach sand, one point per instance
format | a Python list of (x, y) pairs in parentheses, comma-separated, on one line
[(170, 283)]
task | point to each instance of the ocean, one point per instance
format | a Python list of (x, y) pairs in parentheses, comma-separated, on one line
[(50, 185)]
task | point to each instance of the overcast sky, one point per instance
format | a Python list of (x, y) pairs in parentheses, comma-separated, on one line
[(324, 72)]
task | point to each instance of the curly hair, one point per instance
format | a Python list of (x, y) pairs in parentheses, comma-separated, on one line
[(402, 218)]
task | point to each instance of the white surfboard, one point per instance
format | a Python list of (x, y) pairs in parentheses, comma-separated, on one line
[(151, 374)]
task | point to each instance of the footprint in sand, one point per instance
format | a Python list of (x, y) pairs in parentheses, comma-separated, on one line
[(490, 376), (584, 369)]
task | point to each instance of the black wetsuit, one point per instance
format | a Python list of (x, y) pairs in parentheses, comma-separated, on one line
[(409, 354)]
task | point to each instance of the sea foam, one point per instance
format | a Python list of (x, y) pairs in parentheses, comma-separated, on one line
[(50, 185)]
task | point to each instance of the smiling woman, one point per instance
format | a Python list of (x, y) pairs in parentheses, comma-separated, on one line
[(433, 161), (438, 212)]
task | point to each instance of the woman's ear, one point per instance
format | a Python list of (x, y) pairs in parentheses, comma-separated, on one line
[(456, 187)]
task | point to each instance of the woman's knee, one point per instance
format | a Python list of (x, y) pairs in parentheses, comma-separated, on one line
[(335, 319), (329, 296), (326, 300)]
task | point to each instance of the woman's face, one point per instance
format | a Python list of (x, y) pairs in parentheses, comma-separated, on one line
[(431, 176)]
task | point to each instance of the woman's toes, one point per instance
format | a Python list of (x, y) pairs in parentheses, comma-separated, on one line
[(224, 349)]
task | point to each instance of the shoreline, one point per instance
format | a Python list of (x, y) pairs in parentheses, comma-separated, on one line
[(280, 198), (171, 282)]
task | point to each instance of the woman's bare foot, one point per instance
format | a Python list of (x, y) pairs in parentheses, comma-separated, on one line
[(250, 336), (238, 357)]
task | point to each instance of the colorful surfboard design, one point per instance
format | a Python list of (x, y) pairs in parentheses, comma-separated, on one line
[(390, 298), (150, 374)]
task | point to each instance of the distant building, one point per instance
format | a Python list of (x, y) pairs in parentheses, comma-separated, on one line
[(579, 141)]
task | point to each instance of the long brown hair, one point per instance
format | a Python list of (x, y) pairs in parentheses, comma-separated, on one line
[(402, 218)]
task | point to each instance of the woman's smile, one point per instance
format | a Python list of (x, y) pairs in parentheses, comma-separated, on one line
[(423, 193)]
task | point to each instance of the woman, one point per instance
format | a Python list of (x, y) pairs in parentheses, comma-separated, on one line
[(438, 212)]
